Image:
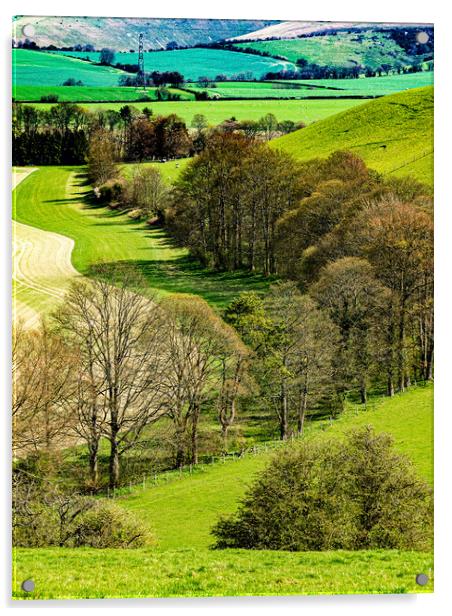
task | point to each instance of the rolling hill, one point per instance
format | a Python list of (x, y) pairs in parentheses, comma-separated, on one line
[(121, 33), (393, 134), (295, 29), (193, 63)]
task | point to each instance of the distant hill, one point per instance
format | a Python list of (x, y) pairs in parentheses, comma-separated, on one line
[(393, 134), (122, 33), (294, 29)]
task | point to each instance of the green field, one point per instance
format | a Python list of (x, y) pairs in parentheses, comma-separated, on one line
[(393, 134), (181, 513), (367, 86), (370, 49), (92, 93), (217, 111), (194, 63), (56, 199), (63, 573), (37, 68), (328, 88)]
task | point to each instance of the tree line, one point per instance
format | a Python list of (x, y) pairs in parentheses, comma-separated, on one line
[(359, 244), (66, 133)]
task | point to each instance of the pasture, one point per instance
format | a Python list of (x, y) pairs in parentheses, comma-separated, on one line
[(182, 511), (367, 48), (402, 144), (38, 68), (194, 63), (366, 87), (91, 94)]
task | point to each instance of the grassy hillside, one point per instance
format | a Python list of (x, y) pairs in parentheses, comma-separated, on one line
[(56, 199), (217, 111), (202, 497), (38, 68), (193, 63), (92, 93), (367, 48), (393, 134), (182, 511)]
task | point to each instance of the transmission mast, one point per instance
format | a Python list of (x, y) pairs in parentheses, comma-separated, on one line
[(141, 75)]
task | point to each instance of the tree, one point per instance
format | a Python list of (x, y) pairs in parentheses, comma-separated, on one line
[(148, 191), (118, 334), (297, 359), (356, 302), (354, 493), (42, 384), (107, 56), (196, 342), (199, 122), (102, 157)]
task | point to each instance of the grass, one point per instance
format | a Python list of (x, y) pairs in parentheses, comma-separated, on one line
[(194, 63), (57, 199), (369, 87), (370, 49), (182, 511), (61, 573), (38, 68), (217, 111), (91, 93), (393, 134)]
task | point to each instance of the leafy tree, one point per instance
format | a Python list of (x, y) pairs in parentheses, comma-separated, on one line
[(102, 157), (107, 56), (356, 302), (353, 494)]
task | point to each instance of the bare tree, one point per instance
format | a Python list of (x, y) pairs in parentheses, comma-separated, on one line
[(42, 383), (117, 332), (195, 340)]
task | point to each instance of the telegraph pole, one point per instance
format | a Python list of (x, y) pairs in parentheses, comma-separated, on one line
[(141, 75)]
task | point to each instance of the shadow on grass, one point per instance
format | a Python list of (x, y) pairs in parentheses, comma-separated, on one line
[(186, 275)]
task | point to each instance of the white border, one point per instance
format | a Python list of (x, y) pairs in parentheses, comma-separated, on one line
[(384, 10)]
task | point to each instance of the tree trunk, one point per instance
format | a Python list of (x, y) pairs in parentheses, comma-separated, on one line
[(284, 419), (363, 393), (194, 436), (114, 463), (93, 464), (390, 386), (302, 411)]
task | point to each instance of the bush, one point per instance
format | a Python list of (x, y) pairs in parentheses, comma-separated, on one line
[(112, 192), (49, 98), (354, 494), (48, 517), (107, 525)]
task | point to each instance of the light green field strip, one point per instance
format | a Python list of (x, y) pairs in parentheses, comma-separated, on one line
[(42, 267)]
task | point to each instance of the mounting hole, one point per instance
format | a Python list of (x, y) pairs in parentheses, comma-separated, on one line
[(28, 585), (422, 38), (421, 579)]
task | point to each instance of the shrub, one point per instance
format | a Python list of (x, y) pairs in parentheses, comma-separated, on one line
[(107, 525), (49, 98), (112, 192), (354, 494), (48, 517)]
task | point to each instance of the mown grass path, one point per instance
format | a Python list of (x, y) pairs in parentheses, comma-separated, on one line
[(58, 199), (42, 267)]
